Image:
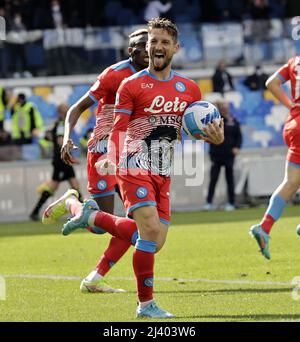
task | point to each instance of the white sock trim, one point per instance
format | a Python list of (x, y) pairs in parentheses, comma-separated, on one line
[(93, 276)]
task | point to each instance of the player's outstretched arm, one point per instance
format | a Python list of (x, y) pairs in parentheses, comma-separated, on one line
[(71, 119), (214, 132), (274, 85)]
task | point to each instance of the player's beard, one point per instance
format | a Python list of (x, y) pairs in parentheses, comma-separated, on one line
[(163, 66)]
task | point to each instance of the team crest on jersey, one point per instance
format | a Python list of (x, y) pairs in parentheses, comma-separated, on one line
[(142, 192), (102, 184), (180, 86)]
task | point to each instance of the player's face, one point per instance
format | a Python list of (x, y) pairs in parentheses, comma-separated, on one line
[(161, 48), (138, 51)]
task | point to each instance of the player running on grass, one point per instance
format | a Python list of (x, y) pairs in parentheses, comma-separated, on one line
[(291, 135), (149, 108), (102, 187)]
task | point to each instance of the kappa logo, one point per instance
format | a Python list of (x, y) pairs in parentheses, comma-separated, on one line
[(147, 85)]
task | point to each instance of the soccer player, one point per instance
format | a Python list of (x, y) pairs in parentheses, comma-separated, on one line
[(149, 108), (102, 187), (291, 134)]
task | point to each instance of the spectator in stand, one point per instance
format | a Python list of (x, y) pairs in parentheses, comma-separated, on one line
[(222, 80), (259, 9), (17, 38), (154, 8), (257, 80)]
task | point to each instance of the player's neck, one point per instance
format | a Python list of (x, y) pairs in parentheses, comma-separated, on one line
[(161, 75)]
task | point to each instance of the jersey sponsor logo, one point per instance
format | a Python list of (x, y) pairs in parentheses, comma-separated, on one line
[(165, 120), (102, 184), (147, 85), (160, 104), (142, 192), (180, 86), (148, 282)]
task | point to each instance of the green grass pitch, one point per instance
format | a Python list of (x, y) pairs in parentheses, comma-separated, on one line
[(209, 270)]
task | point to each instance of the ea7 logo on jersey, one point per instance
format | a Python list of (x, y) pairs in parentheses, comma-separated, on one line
[(159, 104), (147, 85)]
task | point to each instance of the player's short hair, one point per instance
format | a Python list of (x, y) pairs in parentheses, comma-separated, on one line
[(136, 33), (165, 24)]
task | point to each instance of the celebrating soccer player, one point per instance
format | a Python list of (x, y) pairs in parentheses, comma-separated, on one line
[(291, 135), (149, 108), (102, 187)]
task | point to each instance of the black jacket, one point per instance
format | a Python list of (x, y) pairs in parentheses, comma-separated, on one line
[(219, 78), (232, 139)]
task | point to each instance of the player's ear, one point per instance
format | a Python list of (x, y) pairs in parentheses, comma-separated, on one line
[(130, 51), (177, 47)]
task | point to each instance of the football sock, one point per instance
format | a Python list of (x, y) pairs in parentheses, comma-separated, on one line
[(115, 250), (143, 304), (143, 265), (120, 227), (273, 213), (73, 205), (94, 276), (43, 199)]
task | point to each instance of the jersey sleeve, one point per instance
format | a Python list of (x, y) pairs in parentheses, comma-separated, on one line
[(124, 99), (283, 73), (102, 86), (196, 92)]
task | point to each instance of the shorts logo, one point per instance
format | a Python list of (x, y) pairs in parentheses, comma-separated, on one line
[(152, 120), (148, 282), (102, 184), (180, 87), (142, 192)]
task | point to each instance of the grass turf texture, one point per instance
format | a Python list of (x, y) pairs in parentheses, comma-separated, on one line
[(214, 246)]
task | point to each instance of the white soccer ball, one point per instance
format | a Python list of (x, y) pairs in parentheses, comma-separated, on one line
[(197, 116)]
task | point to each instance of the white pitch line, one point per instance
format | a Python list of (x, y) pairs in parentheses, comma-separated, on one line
[(179, 280)]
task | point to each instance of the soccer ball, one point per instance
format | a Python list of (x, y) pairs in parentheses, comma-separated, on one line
[(197, 116)]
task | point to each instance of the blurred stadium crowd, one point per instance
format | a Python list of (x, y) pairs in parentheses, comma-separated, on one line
[(45, 14), (52, 38)]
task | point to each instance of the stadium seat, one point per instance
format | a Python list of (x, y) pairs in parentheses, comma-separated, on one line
[(43, 92), (25, 90), (205, 86), (234, 97)]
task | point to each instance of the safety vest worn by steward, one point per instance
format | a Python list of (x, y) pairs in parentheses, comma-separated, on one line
[(22, 122), (2, 107)]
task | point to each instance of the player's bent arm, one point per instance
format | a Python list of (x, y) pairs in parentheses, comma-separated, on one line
[(274, 83), (74, 113), (72, 117)]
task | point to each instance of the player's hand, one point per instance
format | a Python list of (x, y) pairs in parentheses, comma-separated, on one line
[(105, 167), (214, 132), (65, 152)]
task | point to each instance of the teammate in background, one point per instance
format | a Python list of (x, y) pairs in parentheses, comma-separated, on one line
[(61, 171), (149, 109), (291, 135), (102, 187)]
